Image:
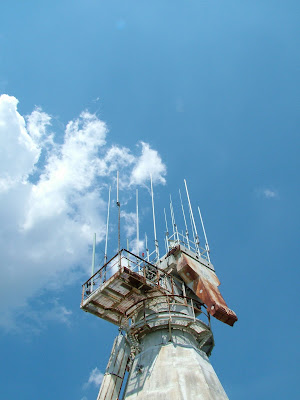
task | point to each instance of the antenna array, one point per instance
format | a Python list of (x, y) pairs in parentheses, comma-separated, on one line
[(170, 239)]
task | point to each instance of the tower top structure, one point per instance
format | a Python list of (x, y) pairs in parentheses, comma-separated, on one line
[(158, 302)]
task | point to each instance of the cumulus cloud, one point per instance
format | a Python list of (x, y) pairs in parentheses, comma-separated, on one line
[(52, 200), (37, 123), (129, 223), (95, 378), (149, 163), (18, 152)]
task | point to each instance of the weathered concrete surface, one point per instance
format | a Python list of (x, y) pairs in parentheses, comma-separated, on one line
[(175, 370), (114, 374)]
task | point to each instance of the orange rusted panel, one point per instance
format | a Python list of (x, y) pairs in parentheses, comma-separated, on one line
[(204, 283)]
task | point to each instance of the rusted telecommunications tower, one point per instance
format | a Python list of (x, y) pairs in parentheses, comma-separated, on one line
[(162, 306)]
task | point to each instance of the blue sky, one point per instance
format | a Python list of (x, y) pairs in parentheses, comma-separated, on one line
[(202, 90)]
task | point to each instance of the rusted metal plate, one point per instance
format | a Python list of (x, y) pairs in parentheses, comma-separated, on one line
[(204, 283)]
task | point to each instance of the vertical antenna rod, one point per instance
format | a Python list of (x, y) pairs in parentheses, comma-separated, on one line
[(172, 217), (154, 227), (107, 222), (192, 226), (192, 217), (93, 261), (167, 232), (175, 231), (147, 249), (206, 241), (186, 228), (137, 223), (127, 253), (119, 220)]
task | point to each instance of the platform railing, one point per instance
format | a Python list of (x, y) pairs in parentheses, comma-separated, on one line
[(176, 307), (178, 238), (125, 258)]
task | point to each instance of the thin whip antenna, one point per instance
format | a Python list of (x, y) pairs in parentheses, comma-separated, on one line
[(154, 227), (167, 232), (175, 231), (192, 226), (172, 217), (166, 244), (107, 222), (192, 217), (206, 241), (137, 223), (93, 261), (186, 228), (147, 249), (119, 220), (127, 253)]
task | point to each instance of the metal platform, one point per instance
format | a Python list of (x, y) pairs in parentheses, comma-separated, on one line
[(118, 298)]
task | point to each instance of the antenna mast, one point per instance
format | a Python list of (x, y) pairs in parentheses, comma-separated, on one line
[(175, 231), (119, 219), (192, 218), (206, 241), (147, 250), (107, 222), (93, 261), (137, 223), (154, 227), (167, 232), (186, 228)]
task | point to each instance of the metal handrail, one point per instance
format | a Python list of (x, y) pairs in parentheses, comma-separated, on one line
[(178, 238), (124, 259), (169, 310)]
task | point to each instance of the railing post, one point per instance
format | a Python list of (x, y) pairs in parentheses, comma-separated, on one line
[(193, 311), (82, 297), (184, 293)]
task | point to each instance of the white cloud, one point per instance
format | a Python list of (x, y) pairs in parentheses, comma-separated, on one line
[(38, 317), (71, 170), (118, 158), (269, 194), (48, 219), (137, 246), (148, 163), (37, 123), (18, 151), (95, 378), (58, 313), (129, 223)]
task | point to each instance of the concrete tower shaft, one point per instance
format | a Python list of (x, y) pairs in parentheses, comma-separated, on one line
[(172, 369)]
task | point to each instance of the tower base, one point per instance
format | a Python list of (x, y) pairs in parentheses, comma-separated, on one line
[(172, 367)]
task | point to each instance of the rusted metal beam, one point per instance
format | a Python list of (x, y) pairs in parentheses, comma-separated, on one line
[(204, 283)]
